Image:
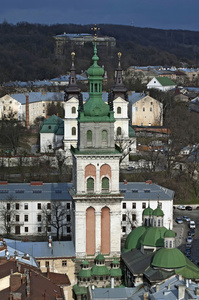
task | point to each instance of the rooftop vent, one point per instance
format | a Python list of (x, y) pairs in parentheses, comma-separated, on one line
[(149, 182), (36, 183), (3, 182)]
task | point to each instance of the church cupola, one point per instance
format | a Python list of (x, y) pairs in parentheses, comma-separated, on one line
[(169, 239), (157, 217), (119, 89), (72, 90), (147, 216)]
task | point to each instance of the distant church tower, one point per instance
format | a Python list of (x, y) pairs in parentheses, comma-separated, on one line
[(71, 98), (96, 174)]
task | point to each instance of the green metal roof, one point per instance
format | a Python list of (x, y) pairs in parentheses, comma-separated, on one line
[(84, 273), (99, 270), (134, 237), (169, 258), (158, 212), (99, 257), (164, 81), (190, 271), (115, 272), (131, 132), (53, 124), (147, 211), (79, 290), (169, 234), (85, 262), (154, 237)]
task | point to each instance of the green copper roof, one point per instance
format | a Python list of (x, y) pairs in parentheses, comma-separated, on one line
[(99, 270), (164, 81), (53, 124), (99, 257), (131, 132), (95, 70), (84, 273), (115, 272), (154, 237), (85, 262), (95, 109), (169, 234), (134, 237), (79, 290), (115, 261), (190, 271), (147, 211), (158, 212), (169, 258)]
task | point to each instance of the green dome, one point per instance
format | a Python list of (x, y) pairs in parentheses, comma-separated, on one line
[(99, 270), (115, 272), (84, 273), (147, 211), (95, 70), (99, 257), (134, 237), (169, 234), (115, 261), (158, 212), (169, 258), (154, 237)]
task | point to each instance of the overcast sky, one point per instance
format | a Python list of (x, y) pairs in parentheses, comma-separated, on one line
[(165, 14)]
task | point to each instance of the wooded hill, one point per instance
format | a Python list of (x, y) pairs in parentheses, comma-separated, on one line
[(27, 51)]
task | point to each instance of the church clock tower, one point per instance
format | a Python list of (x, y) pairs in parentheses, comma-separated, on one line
[(96, 174)]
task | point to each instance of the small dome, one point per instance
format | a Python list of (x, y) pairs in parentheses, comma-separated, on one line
[(115, 272), (169, 234), (158, 212), (95, 70), (85, 262), (147, 211), (99, 270), (99, 257), (154, 237), (134, 237), (84, 273), (169, 258)]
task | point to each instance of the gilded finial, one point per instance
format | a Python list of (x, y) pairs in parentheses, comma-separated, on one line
[(95, 29), (119, 54), (72, 54)]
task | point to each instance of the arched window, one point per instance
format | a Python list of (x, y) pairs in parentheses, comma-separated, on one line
[(73, 110), (105, 184), (170, 244), (119, 110), (166, 244), (119, 131), (89, 136), (90, 185), (159, 223), (95, 87), (104, 137), (73, 130)]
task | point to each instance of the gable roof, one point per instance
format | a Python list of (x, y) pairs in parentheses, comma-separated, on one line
[(165, 81)]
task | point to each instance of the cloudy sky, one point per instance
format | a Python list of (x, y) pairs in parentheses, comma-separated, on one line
[(165, 14)]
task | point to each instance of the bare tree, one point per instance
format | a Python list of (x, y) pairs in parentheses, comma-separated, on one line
[(7, 214), (56, 217)]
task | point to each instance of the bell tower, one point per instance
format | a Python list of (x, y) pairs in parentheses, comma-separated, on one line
[(96, 174)]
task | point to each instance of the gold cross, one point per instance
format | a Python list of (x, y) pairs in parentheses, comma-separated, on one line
[(95, 29)]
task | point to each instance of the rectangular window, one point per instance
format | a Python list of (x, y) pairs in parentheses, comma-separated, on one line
[(133, 217), (68, 206), (68, 218), (26, 229), (17, 205), (47, 264), (8, 218), (68, 229), (17, 218), (124, 229), (38, 218), (143, 108), (38, 205), (123, 217), (151, 109), (124, 205), (143, 205), (8, 206), (64, 263), (133, 205), (39, 229), (48, 205), (49, 229), (26, 206), (25, 218)]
